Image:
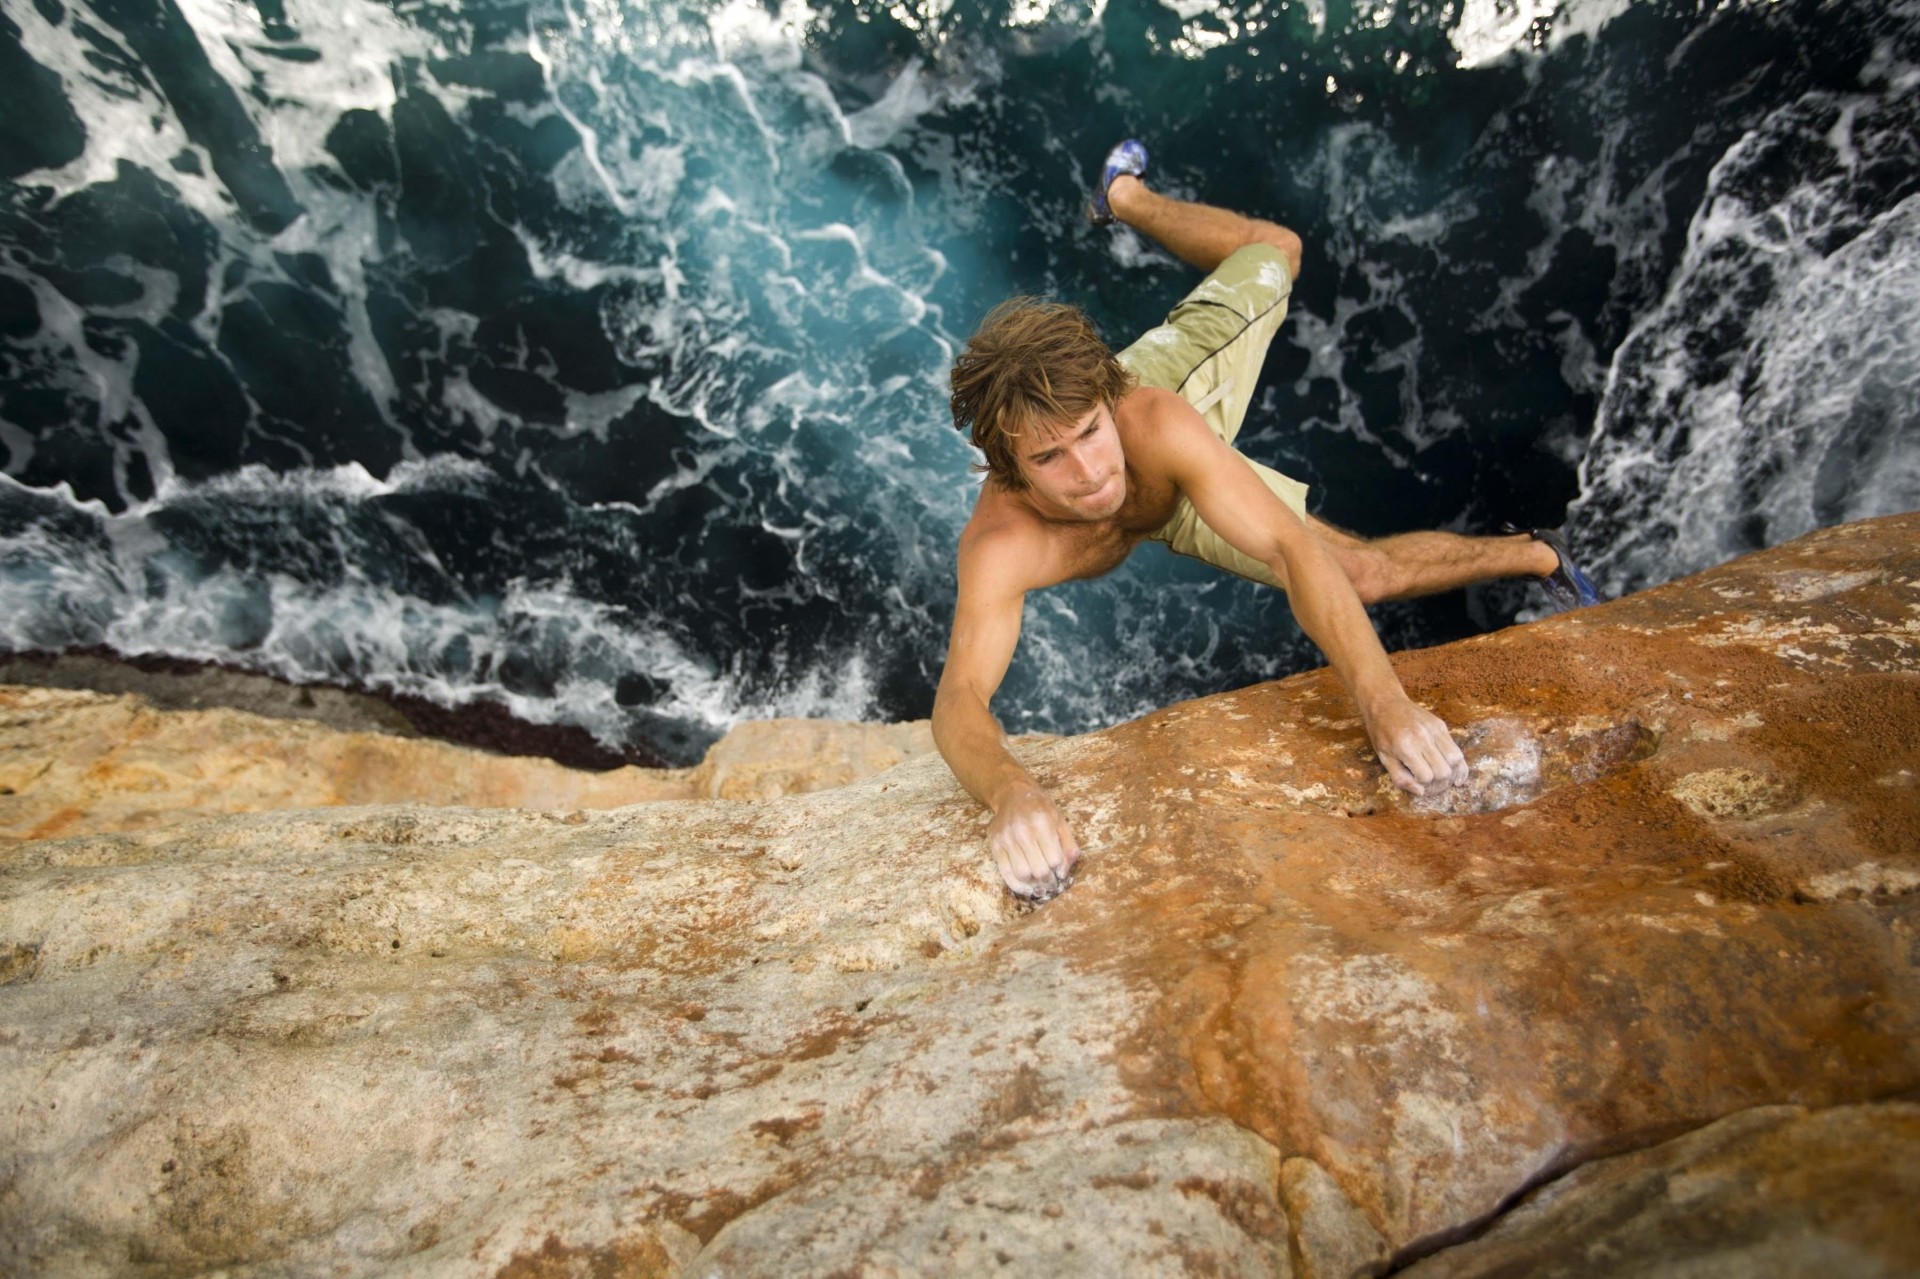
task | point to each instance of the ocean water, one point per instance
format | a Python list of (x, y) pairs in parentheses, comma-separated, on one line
[(589, 357)]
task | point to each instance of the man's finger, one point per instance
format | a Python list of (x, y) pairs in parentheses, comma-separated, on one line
[(1012, 850), (1003, 858), (1061, 850), (1437, 761), (1069, 845), (1399, 775), (1413, 757), (1032, 862)]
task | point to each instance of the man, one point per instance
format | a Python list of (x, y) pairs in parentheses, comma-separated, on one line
[(1089, 454)]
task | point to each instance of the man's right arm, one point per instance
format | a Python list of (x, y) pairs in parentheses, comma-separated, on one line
[(1028, 838)]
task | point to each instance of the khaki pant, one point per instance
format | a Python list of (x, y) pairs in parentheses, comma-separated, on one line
[(1209, 353)]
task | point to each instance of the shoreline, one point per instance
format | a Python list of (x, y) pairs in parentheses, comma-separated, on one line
[(174, 683)]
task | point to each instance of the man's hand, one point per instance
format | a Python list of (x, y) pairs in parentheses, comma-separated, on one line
[(1031, 843), (1414, 746)]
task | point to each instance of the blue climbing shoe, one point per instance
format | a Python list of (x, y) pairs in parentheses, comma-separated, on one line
[(1129, 157), (1566, 586)]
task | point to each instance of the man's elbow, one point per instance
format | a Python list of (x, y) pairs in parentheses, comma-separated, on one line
[(945, 717), (956, 704)]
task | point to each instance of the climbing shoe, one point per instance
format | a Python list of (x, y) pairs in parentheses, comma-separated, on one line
[(1566, 586), (1128, 157)]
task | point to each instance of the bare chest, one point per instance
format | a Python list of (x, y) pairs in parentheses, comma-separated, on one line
[(1095, 552), (1098, 549)]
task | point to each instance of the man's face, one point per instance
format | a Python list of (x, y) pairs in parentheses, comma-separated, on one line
[(1076, 471)]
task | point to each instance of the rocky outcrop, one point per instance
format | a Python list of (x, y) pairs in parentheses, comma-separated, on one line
[(75, 762), (1664, 951), (1771, 1191)]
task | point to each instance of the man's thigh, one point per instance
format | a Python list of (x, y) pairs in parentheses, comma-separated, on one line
[(1214, 341)]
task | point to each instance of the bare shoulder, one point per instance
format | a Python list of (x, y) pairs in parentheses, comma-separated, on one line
[(1003, 551), (1158, 429)]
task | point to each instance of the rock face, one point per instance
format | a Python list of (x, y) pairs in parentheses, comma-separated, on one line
[(1286, 1022), (75, 763), (1770, 1191)]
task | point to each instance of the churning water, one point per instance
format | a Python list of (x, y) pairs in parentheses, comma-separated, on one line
[(590, 357)]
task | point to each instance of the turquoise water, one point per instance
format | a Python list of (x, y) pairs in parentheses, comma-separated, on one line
[(590, 358)]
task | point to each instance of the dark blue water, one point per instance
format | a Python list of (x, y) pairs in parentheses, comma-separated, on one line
[(590, 357)]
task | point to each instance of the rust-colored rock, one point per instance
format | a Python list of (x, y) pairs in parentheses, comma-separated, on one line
[(1287, 1021)]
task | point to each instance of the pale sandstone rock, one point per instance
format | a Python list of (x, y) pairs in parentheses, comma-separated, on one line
[(1332, 1238), (765, 759), (75, 763), (815, 1036)]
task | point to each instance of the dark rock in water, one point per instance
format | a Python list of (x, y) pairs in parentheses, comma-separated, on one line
[(493, 727), (177, 684), (1642, 995), (173, 684)]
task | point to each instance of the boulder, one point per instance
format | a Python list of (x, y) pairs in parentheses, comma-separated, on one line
[(1287, 1020)]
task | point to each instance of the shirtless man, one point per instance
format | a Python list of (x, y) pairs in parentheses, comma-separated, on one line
[(1088, 454)]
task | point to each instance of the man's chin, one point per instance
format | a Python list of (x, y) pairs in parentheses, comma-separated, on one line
[(1102, 504)]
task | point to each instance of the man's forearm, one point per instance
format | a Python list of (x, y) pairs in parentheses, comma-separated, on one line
[(975, 748), (1327, 609), (1412, 743)]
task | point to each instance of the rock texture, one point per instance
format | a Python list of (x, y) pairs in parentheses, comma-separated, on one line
[(1770, 1191), (74, 762), (1286, 1022)]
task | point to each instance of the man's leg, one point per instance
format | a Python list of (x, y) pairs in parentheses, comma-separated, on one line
[(1409, 564), (1198, 234)]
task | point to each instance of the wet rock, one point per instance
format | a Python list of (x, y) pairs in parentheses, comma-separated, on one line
[(1285, 1021)]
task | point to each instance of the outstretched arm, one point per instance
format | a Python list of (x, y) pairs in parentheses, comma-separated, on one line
[(1413, 744), (1029, 840)]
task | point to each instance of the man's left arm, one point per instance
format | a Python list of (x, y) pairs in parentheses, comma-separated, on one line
[(1413, 743)]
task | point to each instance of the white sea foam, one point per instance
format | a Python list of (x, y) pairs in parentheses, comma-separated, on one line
[(1775, 387), (124, 120), (122, 584), (1488, 30), (1366, 188)]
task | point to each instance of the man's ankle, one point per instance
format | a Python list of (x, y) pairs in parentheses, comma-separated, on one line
[(1122, 193), (1545, 562)]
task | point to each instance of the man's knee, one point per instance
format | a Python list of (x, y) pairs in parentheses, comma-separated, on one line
[(1281, 238), (1369, 571)]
